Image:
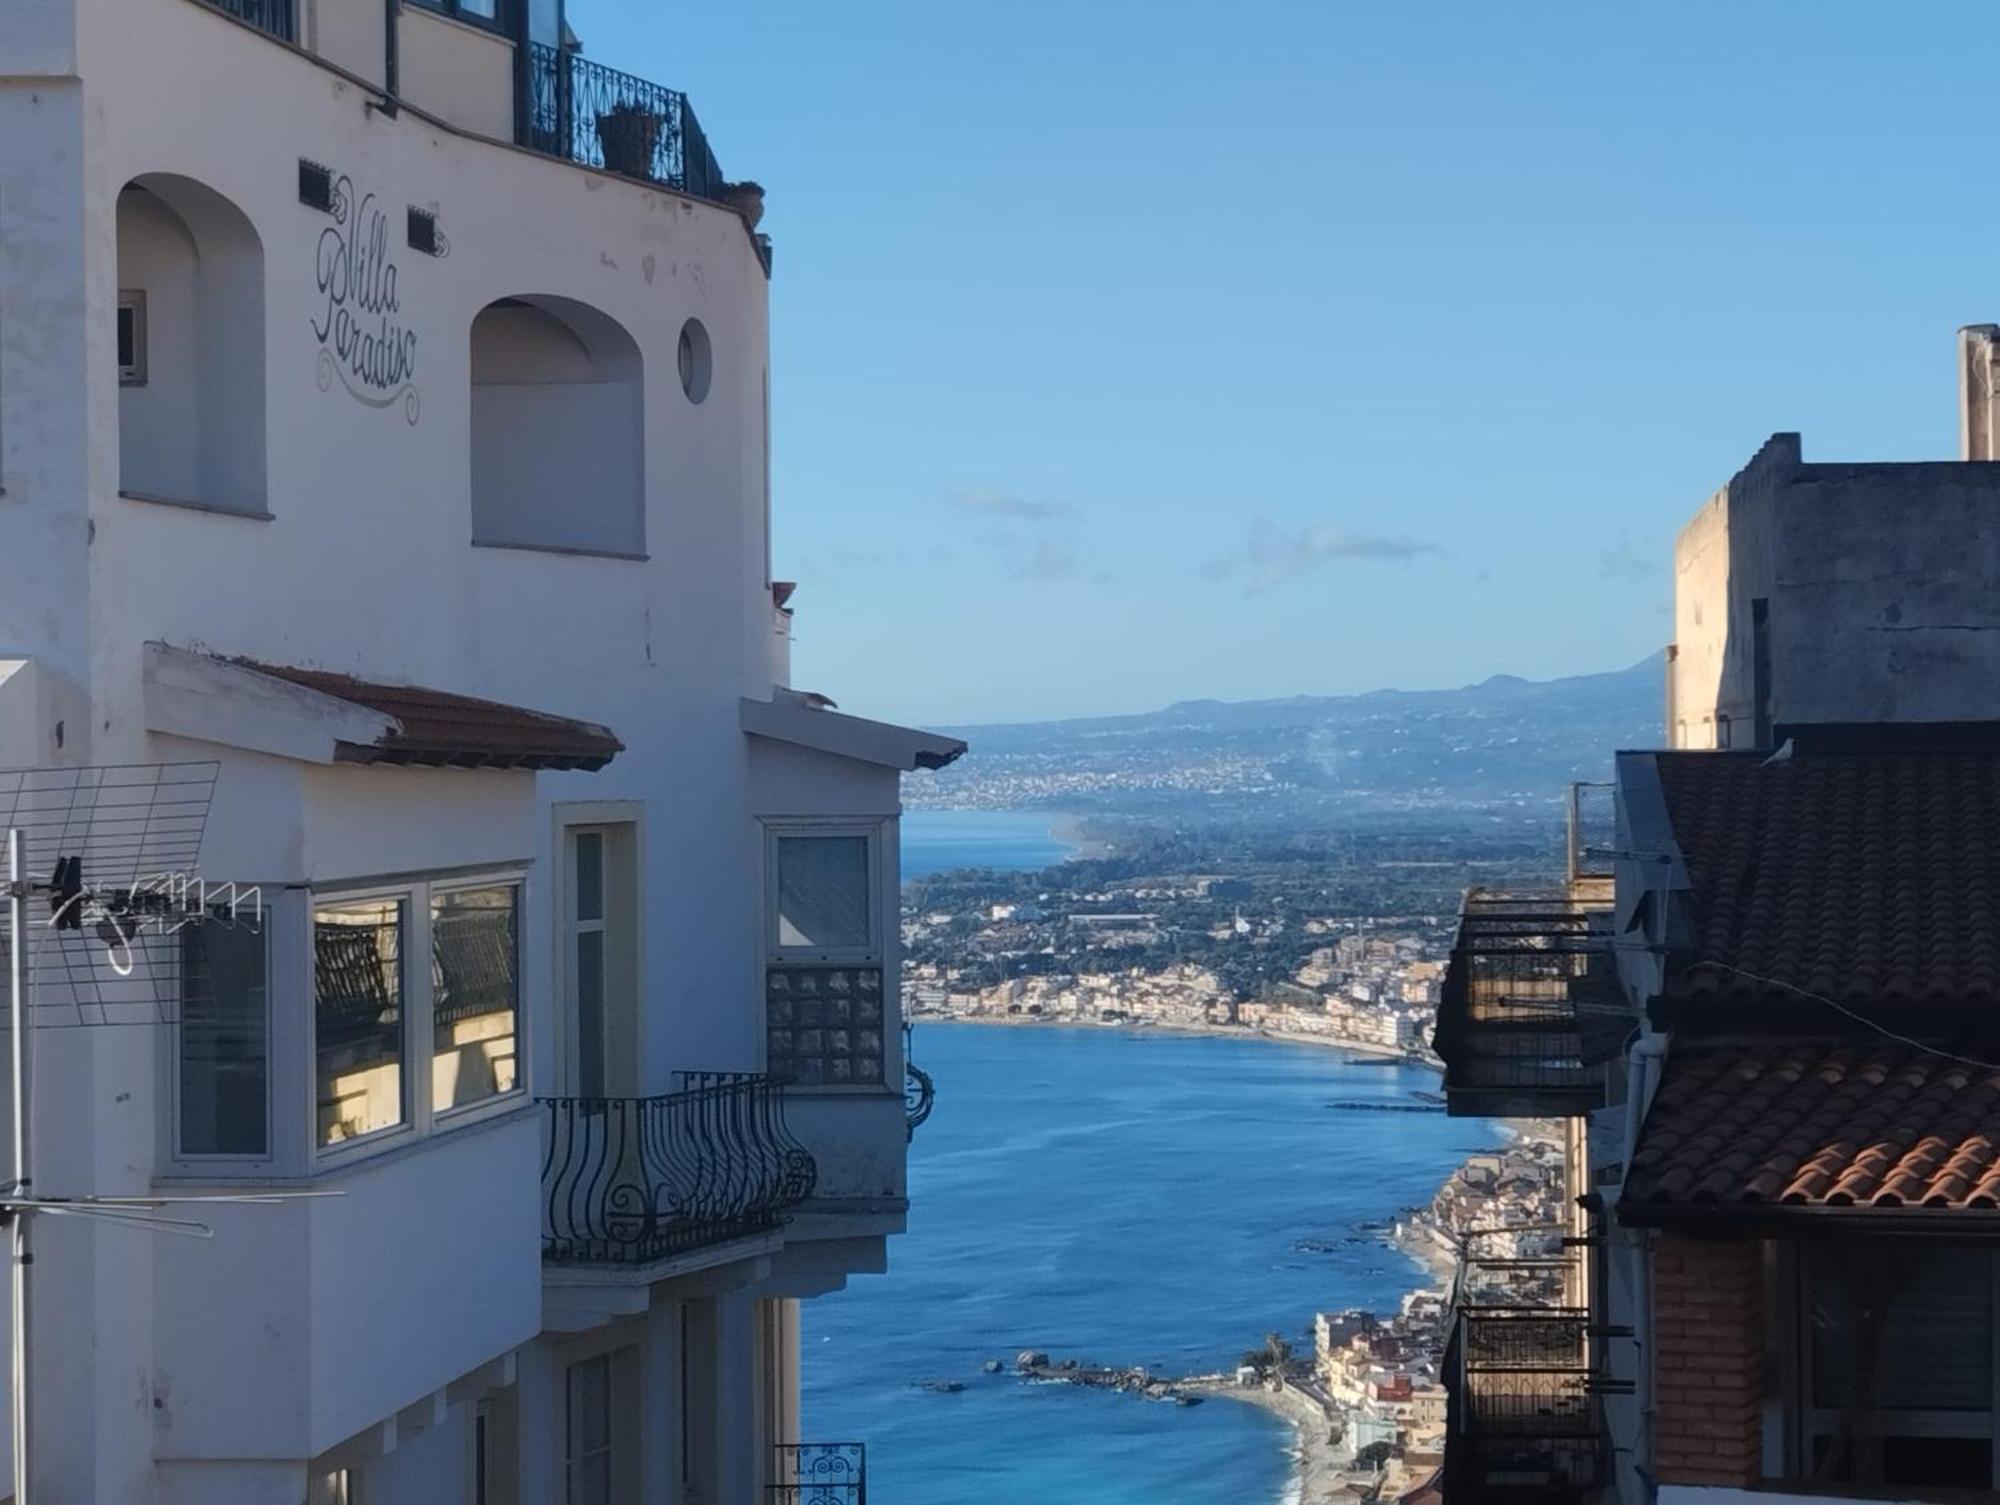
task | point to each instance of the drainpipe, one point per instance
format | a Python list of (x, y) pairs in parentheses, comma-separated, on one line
[(1642, 1064), (392, 48)]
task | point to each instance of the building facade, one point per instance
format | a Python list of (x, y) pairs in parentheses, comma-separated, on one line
[(384, 415), (1761, 1001)]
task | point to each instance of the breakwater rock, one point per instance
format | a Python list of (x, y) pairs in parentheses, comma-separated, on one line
[(1136, 1380)]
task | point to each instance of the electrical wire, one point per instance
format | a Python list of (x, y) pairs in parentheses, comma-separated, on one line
[(1846, 1012)]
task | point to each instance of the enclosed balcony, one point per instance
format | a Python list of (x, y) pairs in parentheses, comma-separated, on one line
[(639, 1180), (1531, 1015), (1524, 1411)]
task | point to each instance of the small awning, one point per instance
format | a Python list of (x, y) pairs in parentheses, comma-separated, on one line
[(1790, 1127), (805, 722), (317, 716)]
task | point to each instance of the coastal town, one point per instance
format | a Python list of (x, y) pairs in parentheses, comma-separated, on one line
[(1364, 1394)]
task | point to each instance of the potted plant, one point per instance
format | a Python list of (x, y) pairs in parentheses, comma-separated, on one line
[(629, 133), (747, 199)]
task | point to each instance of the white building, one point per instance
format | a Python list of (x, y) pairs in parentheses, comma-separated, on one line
[(333, 363)]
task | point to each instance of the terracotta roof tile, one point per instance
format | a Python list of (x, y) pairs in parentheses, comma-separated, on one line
[(1872, 879), (440, 729), (1818, 1124)]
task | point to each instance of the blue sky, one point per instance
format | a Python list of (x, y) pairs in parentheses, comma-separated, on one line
[(1132, 352)]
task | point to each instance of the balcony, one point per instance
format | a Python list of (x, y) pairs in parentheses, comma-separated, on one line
[(1531, 1014), (582, 111), (636, 1180), (820, 1473), (1524, 1413)]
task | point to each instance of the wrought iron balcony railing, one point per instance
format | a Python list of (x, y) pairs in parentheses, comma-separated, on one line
[(629, 1180), (278, 17), (572, 107), (919, 1091), (820, 1473), (1531, 1010)]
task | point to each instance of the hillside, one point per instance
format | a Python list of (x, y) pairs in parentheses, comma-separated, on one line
[(1502, 742)]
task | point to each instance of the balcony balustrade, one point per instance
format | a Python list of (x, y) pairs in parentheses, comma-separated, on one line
[(575, 108), (820, 1473), (632, 1180), (1531, 1010), (1525, 1414)]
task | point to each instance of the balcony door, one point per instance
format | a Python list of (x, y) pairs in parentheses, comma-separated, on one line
[(600, 959)]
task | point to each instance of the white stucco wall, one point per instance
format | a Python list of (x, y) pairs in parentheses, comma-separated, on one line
[(218, 1367)]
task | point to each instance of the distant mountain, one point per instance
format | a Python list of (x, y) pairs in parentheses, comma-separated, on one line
[(1503, 741)]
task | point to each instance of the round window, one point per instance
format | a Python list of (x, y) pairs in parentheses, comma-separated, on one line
[(697, 360)]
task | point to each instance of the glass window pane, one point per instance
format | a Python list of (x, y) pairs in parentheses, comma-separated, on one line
[(589, 881), (485, 9), (590, 1012), (475, 993), (224, 1042), (358, 1016), (823, 892), (1902, 1329)]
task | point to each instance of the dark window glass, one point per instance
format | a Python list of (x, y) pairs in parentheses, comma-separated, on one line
[(225, 1064)]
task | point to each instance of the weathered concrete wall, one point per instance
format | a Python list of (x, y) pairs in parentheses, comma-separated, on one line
[(1882, 587)]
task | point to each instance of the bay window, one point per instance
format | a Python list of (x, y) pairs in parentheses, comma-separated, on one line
[(824, 1020)]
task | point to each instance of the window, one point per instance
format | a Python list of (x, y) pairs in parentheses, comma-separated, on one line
[(223, 1065), (131, 337), (587, 958), (601, 1429), (823, 1004), (358, 1017), (599, 1019), (479, 12), (696, 358), (823, 884), (475, 993), (376, 1016), (1897, 1365)]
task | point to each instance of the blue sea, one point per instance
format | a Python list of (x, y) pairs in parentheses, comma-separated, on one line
[(935, 841), (1128, 1199)]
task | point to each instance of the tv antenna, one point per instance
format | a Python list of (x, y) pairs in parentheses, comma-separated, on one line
[(101, 892)]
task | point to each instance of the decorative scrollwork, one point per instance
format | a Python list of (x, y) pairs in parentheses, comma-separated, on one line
[(631, 1180)]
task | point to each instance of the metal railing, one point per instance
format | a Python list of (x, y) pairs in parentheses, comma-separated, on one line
[(919, 1091), (629, 1180), (1592, 831), (820, 1473), (278, 17), (575, 108)]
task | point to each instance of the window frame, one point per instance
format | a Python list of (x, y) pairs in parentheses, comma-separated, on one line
[(421, 1120), (472, 883), (177, 1060), (133, 373), (879, 954), (776, 831)]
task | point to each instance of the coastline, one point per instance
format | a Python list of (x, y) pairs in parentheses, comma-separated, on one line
[(1192, 1031), (1316, 1476)]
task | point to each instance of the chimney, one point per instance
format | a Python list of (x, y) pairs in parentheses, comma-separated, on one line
[(1978, 418)]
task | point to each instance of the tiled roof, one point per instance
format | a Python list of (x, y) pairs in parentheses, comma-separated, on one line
[(439, 729), (1811, 1124), (1870, 879)]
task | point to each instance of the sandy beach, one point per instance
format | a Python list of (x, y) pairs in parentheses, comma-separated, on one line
[(1319, 1476)]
